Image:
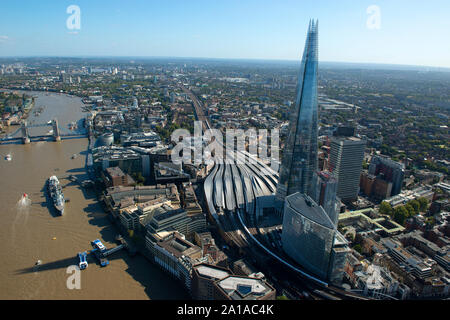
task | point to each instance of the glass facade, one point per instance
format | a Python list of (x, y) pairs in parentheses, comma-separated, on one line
[(346, 158), (323, 192), (308, 234), (389, 170), (300, 154)]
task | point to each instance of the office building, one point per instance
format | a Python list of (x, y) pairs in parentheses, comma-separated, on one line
[(209, 249), (137, 216), (376, 282), (141, 139), (346, 157), (124, 158), (300, 155), (338, 259), (174, 254), (169, 172), (323, 192), (105, 140), (65, 78), (391, 171), (375, 187), (203, 278), (243, 288), (308, 234), (118, 198), (407, 195), (167, 218), (114, 177)]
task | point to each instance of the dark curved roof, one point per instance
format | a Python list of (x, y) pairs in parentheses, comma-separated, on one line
[(306, 206)]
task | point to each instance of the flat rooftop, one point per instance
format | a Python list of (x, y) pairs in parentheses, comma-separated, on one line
[(115, 172), (243, 288), (383, 222), (212, 272), (166, 212), (178, 246)]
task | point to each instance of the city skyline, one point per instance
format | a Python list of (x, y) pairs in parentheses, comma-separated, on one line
[(231, 30), (244, 176)]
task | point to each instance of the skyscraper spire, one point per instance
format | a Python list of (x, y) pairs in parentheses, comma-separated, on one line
[(300, 155)]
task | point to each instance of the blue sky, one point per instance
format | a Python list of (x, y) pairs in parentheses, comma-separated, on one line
[(413, 32)]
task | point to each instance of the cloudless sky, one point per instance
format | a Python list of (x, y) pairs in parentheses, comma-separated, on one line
[(413, 32)]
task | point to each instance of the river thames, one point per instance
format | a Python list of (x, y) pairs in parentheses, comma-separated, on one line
[(31, 231)]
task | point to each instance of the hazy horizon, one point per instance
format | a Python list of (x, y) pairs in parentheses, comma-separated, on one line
[(399, 32), (356, 65)]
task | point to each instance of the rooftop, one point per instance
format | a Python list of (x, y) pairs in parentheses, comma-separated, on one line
[(178, 246), (347, 140), (243, 288), (115, 172), (384, 223), (212, 272), (166, 212), (305, 206)]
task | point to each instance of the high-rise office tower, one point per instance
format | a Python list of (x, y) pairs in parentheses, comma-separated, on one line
[(389, 170), (311, 239), (300, 154), (308, 234), (346, 157), (323, 192)]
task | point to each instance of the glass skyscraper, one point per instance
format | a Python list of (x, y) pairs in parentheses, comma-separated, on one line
[(300, 154), (323, 192), (308, 234)]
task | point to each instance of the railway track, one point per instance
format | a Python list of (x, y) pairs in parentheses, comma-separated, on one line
[(231, 221)]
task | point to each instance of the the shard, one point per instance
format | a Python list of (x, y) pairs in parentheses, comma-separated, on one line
[(300, 153)]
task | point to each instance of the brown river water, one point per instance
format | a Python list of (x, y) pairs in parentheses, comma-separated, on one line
[(31, 231)]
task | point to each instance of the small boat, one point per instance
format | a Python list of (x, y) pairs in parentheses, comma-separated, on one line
[(83, 261)]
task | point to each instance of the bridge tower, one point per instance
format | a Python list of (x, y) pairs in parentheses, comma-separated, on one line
[(56, 134), (25, 133)]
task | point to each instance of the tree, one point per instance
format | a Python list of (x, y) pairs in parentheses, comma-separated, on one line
[(416, 205), (358, 248), (423, 204), (430, 221), (139, 178), (385, 208), (400, 214), (410, 209)]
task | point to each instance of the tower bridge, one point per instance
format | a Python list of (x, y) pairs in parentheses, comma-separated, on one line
[(23, 133)]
